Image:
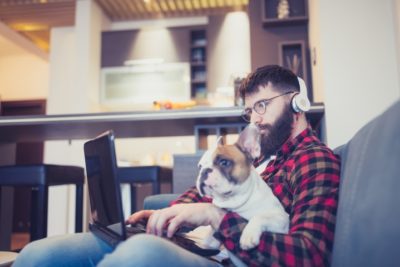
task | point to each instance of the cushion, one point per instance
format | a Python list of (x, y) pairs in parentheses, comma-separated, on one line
[(368, 219)]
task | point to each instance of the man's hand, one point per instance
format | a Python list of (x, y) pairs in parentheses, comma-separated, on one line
[(194, 214)]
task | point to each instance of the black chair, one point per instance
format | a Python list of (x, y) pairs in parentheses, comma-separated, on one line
[(39, 178), (144, 174)]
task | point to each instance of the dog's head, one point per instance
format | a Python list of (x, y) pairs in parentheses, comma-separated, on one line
[(225, 167)]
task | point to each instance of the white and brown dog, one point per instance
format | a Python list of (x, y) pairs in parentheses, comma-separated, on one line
[(228, 176)]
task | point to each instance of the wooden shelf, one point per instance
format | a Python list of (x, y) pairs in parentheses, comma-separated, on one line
[(297, 14), (285, 22)]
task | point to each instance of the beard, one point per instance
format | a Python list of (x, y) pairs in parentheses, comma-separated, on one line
[(276, 134)]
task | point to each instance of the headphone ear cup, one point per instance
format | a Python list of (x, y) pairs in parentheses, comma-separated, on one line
[(300, 103)]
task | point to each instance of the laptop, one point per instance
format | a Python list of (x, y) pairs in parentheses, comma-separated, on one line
[(108, 221)]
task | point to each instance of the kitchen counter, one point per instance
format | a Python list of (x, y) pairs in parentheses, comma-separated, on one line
[(125, 124)]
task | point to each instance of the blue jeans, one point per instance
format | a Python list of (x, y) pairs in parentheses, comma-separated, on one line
[(85, 249)]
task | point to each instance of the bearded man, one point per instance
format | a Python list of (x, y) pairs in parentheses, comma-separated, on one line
[(301, 171)]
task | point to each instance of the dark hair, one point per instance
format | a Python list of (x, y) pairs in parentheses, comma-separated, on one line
[(282, 80)]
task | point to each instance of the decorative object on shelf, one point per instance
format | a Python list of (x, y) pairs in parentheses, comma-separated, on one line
[(198, 58), (293, 63), (292, 55), (284, 12), (283, 9), (237, 80)]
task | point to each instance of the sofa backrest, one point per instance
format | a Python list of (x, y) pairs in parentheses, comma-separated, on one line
[(368, 218)]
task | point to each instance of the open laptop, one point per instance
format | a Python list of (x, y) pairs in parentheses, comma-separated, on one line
[(105, 198)]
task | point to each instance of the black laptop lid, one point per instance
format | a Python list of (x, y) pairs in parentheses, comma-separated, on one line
[(103, 185)]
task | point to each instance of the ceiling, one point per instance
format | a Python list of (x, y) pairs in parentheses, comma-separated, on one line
[(35, 18)]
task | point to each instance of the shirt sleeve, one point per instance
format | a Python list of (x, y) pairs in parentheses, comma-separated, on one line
[(314, 185), (190, 196)]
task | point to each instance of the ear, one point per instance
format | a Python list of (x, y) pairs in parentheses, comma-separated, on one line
[(219, 142), (249, 140)]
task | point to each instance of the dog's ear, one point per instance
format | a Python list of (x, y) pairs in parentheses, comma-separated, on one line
[(220, 141), (249, 141)]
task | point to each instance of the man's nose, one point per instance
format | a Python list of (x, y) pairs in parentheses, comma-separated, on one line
[(255, 118)]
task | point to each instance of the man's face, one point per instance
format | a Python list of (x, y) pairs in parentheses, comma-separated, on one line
[(276, 123)]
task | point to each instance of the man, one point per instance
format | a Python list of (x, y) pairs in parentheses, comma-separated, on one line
[(303, 174)]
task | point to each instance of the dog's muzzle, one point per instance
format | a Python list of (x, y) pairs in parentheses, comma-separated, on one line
[(203, 176)]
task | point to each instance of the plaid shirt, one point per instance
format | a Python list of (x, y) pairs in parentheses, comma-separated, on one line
[(305, 177)]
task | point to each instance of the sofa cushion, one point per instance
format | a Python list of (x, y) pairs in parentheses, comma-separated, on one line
[(368, 219)]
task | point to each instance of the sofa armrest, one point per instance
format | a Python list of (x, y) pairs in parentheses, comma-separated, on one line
[(160, 201)]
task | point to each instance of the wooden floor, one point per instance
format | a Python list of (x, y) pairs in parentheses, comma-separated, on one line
[(19, 240)]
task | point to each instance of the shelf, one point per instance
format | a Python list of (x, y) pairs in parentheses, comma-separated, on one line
[(285, 22), (198, 46), (198, 81), (284, 13), (198, 64), (292, 55)]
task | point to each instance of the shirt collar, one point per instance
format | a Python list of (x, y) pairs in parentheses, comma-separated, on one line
[(290, 145)]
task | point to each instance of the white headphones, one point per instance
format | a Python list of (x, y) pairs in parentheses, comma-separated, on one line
[(300, 102)]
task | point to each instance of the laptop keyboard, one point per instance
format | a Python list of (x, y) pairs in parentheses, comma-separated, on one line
[(179, 239)]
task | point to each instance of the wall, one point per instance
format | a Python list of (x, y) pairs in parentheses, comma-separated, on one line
[(74, 82), (360, 69), (396, 11), (228, 52), (16, 61), (265, 40), (315, 57)]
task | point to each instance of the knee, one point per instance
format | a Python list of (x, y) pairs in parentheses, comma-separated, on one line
[(138, 250), (34, 254), (142, 246)]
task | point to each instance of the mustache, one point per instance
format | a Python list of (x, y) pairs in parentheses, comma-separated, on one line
[(265, 126)]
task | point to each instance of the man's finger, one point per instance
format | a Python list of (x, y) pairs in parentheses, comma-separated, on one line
[(137, 216), (173, 226)]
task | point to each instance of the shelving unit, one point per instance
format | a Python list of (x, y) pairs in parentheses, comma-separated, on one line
[(198, 66), (297, 13), (292, 55)]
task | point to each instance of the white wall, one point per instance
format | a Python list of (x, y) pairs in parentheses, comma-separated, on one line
[(315, 51), (396, 11), (228, 49), (74, 83), (15, 62), (359, 56)]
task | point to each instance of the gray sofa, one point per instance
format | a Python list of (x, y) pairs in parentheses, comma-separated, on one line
[(368, 217)]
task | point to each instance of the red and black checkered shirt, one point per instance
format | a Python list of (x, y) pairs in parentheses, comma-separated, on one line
[(305, 177)]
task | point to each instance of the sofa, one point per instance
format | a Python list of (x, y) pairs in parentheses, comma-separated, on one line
[(368, 216)]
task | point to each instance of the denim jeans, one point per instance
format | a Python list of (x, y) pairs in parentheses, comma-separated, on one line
[(85, 249)]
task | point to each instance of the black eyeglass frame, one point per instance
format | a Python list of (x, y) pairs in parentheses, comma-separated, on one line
[(246, 113)]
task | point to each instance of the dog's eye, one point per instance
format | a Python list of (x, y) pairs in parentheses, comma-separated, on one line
[(199, 166), (225, 163)]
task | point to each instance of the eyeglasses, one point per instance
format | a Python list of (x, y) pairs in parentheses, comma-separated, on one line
[(260, 107)]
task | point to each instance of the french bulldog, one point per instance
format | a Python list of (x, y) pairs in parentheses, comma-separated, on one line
[(227, 175)]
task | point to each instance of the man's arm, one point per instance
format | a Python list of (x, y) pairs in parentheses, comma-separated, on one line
[(190, 196), (312, 219)]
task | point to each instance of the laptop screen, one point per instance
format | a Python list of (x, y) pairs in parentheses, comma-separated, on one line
[(103, 185)]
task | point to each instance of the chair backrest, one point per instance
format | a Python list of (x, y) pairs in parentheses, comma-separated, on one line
[(368, 218)]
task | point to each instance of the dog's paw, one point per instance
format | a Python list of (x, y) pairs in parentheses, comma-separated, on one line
[(250, 237)]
